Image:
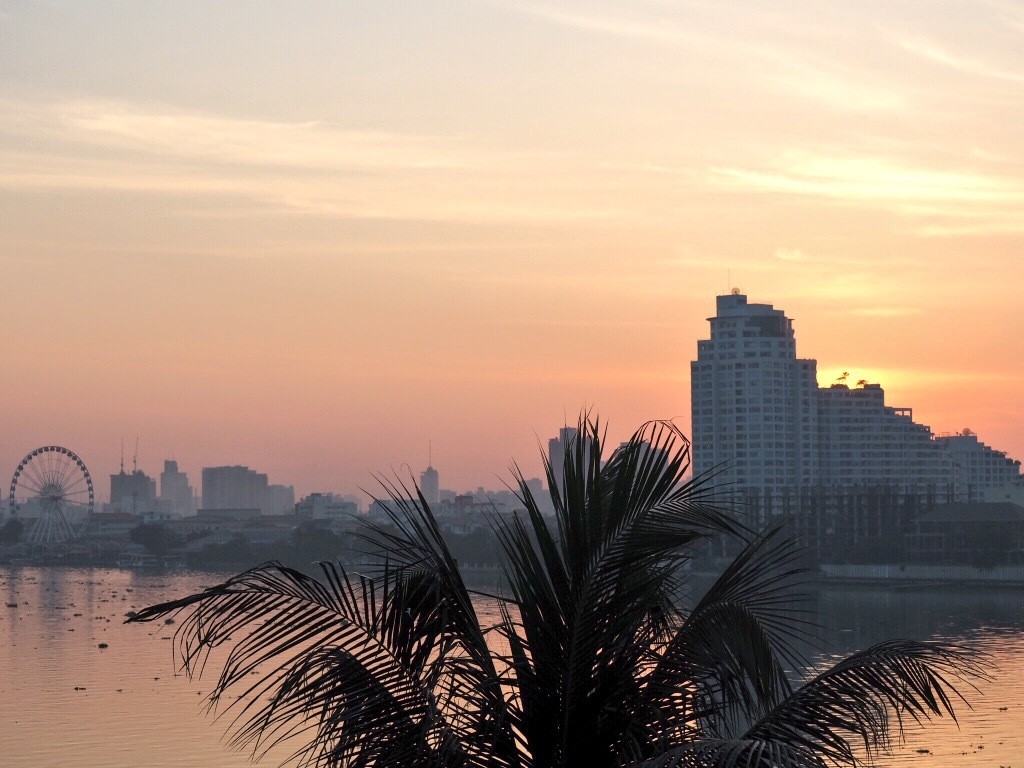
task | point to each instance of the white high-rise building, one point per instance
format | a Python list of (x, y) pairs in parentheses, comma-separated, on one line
[(760, 418), (863, 441), (981, 472), (752, 400)]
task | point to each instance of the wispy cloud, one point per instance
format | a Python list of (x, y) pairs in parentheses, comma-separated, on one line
[(308, 168), (934, 52), (166, 132), (868, 179), (789, 254), (883, 311), (939, 199), (834, 87), (661, 29)]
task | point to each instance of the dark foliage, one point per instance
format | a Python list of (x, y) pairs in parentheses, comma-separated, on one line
[(12, 531), (595, 661), (156, 538)]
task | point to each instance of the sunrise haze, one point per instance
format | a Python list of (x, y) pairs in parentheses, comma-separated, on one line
[(317, 241)]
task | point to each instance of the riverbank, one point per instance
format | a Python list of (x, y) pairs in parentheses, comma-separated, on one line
[(922, 575)]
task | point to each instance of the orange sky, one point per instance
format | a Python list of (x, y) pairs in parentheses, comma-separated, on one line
[(313, 240)]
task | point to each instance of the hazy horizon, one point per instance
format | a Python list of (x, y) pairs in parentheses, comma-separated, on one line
[(314, 241)]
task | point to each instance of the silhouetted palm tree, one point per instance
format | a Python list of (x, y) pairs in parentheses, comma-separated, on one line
[(593, 662)]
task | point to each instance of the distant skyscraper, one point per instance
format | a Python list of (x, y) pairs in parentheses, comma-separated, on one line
[(561, 446), (430, 486), (175, 493), (134, 493), (280, 500), (234, 488)]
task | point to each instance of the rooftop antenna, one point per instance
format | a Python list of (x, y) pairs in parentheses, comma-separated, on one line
[(430, 453), (135, 458), (122, 455)]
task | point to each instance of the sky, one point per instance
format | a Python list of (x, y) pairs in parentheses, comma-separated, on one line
[(323, 239)]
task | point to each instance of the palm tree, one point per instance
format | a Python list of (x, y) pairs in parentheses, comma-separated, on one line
[(594, 661)]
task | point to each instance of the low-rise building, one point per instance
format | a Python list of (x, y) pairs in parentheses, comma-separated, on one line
[(325, 506), (984, 534)]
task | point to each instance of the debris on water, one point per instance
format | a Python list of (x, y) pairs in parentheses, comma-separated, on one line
[(12, 605), (168, 621), (131, 614), (1003, 709), (79, 687), (104, 645), (923, 751)]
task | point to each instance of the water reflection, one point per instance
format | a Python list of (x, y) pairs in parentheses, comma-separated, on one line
[(66, 702)]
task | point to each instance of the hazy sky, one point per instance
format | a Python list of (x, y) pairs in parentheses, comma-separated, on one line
[(312, 237)]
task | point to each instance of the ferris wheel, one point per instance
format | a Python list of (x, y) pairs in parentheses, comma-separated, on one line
[(53, 485)]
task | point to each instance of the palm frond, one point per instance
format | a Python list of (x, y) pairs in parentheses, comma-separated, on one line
[(350, 669), (474, 698), (594, 660), (723, 667), (860, 697), (596, 593), (736, 753)]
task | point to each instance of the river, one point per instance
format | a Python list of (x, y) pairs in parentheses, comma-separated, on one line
[(66, 702)]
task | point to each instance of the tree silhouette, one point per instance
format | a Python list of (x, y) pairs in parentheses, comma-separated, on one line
[(594, 660)]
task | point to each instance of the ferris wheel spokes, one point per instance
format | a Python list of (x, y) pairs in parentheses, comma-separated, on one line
[(55, 484)]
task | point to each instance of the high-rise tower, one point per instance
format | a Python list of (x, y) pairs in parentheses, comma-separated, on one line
[(761, 419), (175, 492), (752, 400), (430, 486)]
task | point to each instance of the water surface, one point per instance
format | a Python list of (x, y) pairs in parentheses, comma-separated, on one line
[(65, 702)]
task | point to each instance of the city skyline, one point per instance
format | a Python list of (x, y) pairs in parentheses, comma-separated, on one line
[(314, 243), (407, 471)]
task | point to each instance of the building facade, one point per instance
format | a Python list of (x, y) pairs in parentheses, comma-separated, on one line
[(234, 487), (837, 457), (430, 486), (753, 402), (132, 492), (176, 494), (326, 506), (280, 500), (863, 441), (980, 472)]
